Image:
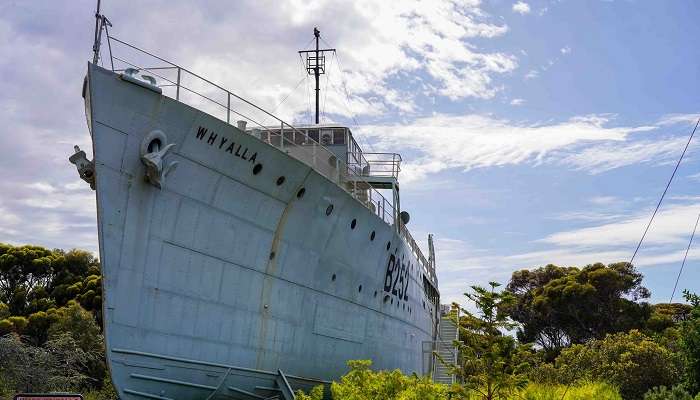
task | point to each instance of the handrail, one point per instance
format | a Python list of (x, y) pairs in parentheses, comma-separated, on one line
[(311, 152)]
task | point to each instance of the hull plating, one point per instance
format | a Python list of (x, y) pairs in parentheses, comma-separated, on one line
[(223, 277)]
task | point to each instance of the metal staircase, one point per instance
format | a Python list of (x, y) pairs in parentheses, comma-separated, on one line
[(445, 347)]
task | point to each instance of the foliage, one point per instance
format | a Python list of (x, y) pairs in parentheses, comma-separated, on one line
[(631, 361), (34, 279), (558, 306), (665, 315), (107, 392), (489, 362), (663, 393), (361, 383), (580, 391), (57, 366), (689, 343)]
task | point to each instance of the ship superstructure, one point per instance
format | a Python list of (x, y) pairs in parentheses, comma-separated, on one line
[(242, 259)]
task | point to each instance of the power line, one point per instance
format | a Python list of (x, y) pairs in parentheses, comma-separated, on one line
[(664, 193), (684, 258)]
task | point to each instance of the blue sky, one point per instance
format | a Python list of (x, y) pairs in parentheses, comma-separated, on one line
[(533, 132)]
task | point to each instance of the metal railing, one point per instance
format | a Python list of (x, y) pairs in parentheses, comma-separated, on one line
[(380, 165), (192, 89)]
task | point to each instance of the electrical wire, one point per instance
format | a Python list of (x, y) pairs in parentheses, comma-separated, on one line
[(658, 205), (684, 258)]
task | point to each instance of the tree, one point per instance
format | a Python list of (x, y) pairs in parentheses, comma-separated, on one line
[(558, 306), (56, 366), (489, 361), (631, 361), (690, 343), (21, 270), (668, 315)]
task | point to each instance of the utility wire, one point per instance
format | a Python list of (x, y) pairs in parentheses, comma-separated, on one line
[(658, 205), (287, 96), (684, 258)]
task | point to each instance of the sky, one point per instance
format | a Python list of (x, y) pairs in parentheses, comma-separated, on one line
[(532, 132)]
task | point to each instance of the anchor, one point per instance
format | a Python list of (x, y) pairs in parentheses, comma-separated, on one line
[(86, 168), (152, 157)]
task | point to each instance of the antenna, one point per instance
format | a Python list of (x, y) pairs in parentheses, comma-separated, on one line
[(316, 64)]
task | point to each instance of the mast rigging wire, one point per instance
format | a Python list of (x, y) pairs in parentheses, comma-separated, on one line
[(658, 205), (684, 258)]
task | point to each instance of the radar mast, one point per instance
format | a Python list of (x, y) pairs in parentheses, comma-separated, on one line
[(316, 64)]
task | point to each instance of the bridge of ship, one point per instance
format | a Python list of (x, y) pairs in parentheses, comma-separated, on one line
[(363, 170)]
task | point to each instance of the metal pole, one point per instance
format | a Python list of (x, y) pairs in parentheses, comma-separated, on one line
[(228, 108), (98, 33), (316, 70)]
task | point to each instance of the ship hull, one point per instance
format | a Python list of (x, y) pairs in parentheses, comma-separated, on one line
[(223, 277)]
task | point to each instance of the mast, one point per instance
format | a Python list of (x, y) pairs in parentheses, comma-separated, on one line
[(316, 65)]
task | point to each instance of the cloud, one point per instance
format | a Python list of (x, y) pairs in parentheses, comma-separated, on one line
[(589, 143), (521, 8), (517, 102), (532, 74), (565, 50)]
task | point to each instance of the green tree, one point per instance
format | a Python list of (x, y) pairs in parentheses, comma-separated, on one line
[(690, 343), (558, 306), (632, 361), (22, 269), (489, 362), (665, 315)]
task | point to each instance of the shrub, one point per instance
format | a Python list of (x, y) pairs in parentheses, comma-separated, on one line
[(581, 391), (631, 361), (663, 393)]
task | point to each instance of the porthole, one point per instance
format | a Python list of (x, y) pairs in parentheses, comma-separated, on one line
[(329, 209), (359, 289), (375, 293), (392, 301), (300, 193), (272, 255), (404, 307), (371, 236), (333, 278), (388, 245), (386, 298), (280, 180), (257, 168), (353, 224)]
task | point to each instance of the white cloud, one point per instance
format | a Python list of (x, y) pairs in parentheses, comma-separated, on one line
[(531, 74), (521, 8), (565, 50), (517, 102), (671, 226), (588, 143)]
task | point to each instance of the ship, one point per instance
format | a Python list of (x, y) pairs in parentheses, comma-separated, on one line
[(243, 258)]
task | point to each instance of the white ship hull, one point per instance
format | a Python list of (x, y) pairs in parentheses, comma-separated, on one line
[(222, 277)]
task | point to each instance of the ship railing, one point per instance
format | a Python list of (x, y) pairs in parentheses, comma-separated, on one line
[(427, 267), (190, 88), (379, 165)]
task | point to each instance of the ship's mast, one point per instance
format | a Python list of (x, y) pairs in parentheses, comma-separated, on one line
[(316, 64), (101, 22)]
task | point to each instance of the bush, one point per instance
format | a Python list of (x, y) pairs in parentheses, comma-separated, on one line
[(631, 361), (663, 393), (582, 391)]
